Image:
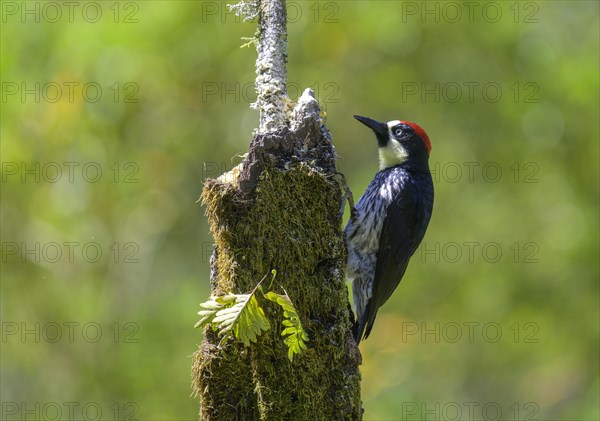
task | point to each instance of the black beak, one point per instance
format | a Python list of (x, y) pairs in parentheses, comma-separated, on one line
[(380, 129), (377, 126)]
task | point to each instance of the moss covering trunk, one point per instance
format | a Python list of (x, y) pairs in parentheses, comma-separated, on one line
[(280, 209)]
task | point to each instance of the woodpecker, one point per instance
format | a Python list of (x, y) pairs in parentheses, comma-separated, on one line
[(390, 218)]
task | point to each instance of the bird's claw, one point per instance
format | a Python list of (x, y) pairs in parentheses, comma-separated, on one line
[(347, 196)]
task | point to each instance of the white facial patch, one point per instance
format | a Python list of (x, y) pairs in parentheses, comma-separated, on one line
[(393, 153)]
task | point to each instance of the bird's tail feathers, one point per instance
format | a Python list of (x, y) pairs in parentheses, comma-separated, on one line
[(364, 322)]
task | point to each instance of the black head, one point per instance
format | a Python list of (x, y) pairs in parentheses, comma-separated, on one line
[(399, 141)]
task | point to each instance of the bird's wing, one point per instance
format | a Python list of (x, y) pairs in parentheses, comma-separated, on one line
[(403, 229)]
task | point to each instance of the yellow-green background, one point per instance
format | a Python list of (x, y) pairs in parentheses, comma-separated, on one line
[(360, 57)]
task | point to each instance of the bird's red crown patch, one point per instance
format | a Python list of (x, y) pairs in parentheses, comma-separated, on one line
[(422, 134)]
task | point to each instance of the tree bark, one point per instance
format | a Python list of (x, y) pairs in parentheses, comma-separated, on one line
[(280, 209)]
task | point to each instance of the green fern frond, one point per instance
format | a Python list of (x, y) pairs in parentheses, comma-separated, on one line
[(212, 306), (296, 336), (242, 316), (239, 314)]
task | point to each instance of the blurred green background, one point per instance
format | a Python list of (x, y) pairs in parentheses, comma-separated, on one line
[(113, 114)]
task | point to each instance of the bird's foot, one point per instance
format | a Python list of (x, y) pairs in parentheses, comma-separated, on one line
[(347, 196)]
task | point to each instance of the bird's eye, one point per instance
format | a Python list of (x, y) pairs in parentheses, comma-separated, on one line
[(397, 132)]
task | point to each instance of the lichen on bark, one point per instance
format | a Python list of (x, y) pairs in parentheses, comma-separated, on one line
[(271, 62)]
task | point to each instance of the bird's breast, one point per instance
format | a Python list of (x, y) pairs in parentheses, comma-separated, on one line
[(364, 231)]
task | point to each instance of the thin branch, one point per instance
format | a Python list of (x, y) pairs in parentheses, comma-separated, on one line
[(271, 64)]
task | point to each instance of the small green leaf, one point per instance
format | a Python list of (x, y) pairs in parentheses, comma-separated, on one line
[(294, 333), (237, 314), (212, 306)]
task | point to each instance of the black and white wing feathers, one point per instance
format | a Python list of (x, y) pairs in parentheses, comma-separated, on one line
[(403, 229)]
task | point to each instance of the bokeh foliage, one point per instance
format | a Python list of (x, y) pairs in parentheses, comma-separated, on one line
[(435, 346)]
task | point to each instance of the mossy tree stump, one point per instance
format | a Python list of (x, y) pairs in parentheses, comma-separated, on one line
[(280, 209)]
